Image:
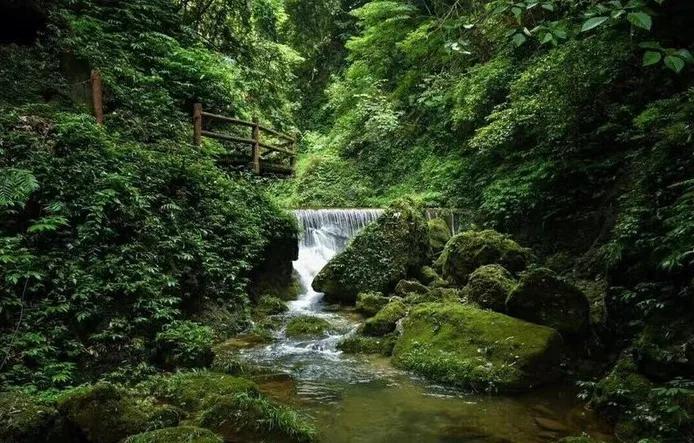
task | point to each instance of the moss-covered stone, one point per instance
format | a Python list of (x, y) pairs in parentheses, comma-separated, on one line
[(269, 305), (369, 303), (24, 420), (429, 276), (544, 298), (179, 434), (306, 326), (436, 295), (193, 390), (105, 413), (464, 346), (489, 286), (379, 256), (439, 234), (469, 250), (581, 439), (254, 418), (407, 287), (386, 319), (360, 344)]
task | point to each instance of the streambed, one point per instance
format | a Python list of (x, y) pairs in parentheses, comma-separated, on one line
[(358, 398)]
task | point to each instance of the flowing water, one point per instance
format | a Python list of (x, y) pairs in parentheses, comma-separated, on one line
[(357, 398)]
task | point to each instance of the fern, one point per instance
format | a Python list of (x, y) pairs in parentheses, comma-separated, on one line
[(16, 185)]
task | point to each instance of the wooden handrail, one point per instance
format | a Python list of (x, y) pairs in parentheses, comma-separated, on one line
[(288, 147)]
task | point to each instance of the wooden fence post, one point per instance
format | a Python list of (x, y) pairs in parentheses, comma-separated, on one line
[(97, 96), (256, 145), (197, 124)]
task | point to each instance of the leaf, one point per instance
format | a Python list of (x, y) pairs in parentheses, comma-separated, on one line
[(640, 20), (650, 45), (675, 63), (548, 6), (651, 58), (519, 39), (686, 55), (593, 23)]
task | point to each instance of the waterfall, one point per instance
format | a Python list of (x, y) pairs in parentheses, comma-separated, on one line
[(325, 232)]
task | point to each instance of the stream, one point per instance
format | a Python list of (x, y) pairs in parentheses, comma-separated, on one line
[(358, 398)]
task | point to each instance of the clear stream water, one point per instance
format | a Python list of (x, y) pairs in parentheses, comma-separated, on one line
[(357, 398)]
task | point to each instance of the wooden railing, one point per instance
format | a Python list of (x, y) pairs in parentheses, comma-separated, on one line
[(257, 163)]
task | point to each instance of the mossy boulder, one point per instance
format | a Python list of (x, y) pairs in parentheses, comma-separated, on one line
[(360, 344), (269, 305), (463, 346), (369, 303), (407, 287), (451, 295), (429, 276), (581, 439), (254, 418), (24, 420), (179, 434), (104, 413), (544, 298), (307, 326), (489, 286), (386, 319), (191, 391), (439, 234), (379, 256), (467, 251)]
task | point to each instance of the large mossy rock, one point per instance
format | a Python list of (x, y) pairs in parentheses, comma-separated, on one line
[(469, 250), (463, 346), (489, 286), (386, 319), (379, 256), (407, 287), (104, 413), (24, 420), (439, 234), (179, 434), (360, 344), (544, 298)]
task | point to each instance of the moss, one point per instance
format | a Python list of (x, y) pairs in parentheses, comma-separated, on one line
[(464, 346), (406, 287), (269, 305), (451, 295), (439, 234), (428, 276), (544, 298), (469, 250), (581, 439), (379, 256), (369, 303), (193, 390), (360, 344), (254, 418), (24, 420), (489, 286), (180, 434), (105, 413), (385, 320), (307, 326)]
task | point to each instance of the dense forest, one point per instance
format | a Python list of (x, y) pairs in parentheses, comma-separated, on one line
[(524, 171)]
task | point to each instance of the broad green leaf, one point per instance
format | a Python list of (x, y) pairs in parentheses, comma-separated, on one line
[(519, 39), (640, 20), (686, 55), (593, 23), (548, 6), (651, 58), (675, 63)]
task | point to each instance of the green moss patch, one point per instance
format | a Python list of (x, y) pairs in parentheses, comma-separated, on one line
[(439, 234), (360, 344), (467, 347), (24, 420), (386, 319), (489, 287), (180, 434), (307, 326), (369, 303)]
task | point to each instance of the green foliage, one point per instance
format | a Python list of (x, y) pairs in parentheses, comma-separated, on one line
[(185, 344), (179, 434), (306, 326), (386, 319)]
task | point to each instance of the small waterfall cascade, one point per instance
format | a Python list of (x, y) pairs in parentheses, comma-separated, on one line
[(325, 232)]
